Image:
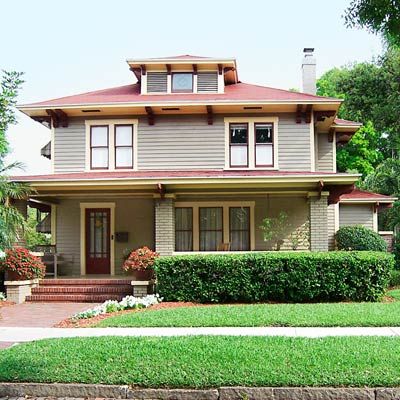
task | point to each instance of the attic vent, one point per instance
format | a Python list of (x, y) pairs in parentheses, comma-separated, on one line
[(207, 82), (156, 82)]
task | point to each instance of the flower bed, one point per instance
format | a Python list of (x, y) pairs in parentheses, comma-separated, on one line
[(111, 306)]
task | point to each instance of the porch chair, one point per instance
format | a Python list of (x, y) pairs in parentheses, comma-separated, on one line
[(49, 258), (224, 246)]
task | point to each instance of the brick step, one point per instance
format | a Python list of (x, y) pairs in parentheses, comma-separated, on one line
[(121, 290), (75, 298), (84, 282)]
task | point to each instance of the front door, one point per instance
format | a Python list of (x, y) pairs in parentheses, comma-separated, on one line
[(97, 240)]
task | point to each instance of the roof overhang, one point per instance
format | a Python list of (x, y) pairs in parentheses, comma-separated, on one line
[(379, 200)]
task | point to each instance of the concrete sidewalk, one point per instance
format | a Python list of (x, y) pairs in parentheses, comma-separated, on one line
[(21, 334)]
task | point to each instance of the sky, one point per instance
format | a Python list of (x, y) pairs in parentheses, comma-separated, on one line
[(71, 47)]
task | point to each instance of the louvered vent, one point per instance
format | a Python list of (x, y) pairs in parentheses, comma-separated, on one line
[(207, 82), (156, 82)]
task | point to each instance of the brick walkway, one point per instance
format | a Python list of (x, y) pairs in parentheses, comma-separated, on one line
[(41, 315)]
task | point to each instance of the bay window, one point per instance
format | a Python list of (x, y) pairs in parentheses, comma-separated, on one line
[(238, 145), (123, 146), (183, 228), (210, 228), (99, 147), (264, 154)]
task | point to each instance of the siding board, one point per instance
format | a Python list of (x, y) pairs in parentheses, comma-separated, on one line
[(325, 162), (356, 214)]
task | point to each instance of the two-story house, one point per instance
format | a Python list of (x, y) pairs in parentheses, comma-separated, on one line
[(191, 159)]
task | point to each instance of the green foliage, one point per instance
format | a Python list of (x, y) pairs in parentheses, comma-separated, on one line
[(275, 276), (377, 16), (386, 178), (396, 252), (274, 229), (359, 238), (32, 237), (394, 278)]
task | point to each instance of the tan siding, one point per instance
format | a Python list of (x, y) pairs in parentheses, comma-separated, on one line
[(135, 216), (331, 226), (325, 156), (356, 214), (69, 147), (294, 144), (181, 142)]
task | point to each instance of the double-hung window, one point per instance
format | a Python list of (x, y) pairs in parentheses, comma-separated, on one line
[(123, 146), (99, 145), (239, 228), (239, 145), (210, 228), (183, 228), (264, 148)]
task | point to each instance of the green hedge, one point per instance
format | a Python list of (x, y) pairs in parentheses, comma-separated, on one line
[(394, 278), (359, 238), (274, 276)]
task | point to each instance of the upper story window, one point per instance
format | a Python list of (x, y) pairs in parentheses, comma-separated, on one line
[(238, 145), (99, 145), (123, 146), (182, 82), (111, 144), (251, 142)]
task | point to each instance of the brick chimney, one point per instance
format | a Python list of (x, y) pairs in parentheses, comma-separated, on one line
[(309, 73)]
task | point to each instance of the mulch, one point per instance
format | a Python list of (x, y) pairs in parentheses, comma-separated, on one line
[(85, 323)]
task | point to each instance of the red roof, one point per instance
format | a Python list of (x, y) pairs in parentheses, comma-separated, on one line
[(181, 57), (346, 122), (358, 194), (131, 94), (210, 173)]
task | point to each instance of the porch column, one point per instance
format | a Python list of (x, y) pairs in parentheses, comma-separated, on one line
[(22, 207), (165, 225), (318, 221)]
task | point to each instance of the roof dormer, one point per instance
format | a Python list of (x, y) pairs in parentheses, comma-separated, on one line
[(184, 74)]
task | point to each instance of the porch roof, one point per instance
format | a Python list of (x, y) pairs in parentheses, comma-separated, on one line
[(363, 196)]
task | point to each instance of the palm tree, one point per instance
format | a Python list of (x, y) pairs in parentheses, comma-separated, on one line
[(12, 222)]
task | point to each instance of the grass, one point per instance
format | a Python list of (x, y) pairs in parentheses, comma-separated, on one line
[(395, 294), (321, 314), (206, 361)]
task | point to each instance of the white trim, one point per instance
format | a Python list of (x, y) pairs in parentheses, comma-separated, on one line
[(143, 84), (371, 200), (52, 148), (53, 224), (83, 207), (111, 148), (334, 166), (337, 217), (225, 206), (386, 232), (375, 219), (251, 149), (312, 144)]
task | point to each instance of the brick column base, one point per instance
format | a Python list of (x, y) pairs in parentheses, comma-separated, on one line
[(165, 226), (319, 222)]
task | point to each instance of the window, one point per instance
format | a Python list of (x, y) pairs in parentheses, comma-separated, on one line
[(239, 228), (123, 146), (210, 228), (238, 145), (184, 229), (264, 151), (99, 147), (182, 82)]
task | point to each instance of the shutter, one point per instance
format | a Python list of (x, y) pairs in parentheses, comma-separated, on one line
[(207, 82), (156, 82)]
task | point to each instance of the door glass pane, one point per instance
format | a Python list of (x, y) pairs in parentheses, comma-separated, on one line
[(264, 133), (264, 154), (211, 223), (239, 226), (238, 156), (183, 229), (123, 135), (123, 157), (100, 157), (99, 136), (105, 234), (92, 249), (99, 234)]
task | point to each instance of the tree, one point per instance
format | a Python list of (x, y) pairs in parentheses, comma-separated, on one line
[(378, 16), (11, 221)]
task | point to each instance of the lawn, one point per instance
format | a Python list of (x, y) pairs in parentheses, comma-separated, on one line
[(321, 314), (207, 361)]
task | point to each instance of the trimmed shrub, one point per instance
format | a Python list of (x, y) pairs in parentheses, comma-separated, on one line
[(359, 238), (394, 278), (274, 276), (396, 252)]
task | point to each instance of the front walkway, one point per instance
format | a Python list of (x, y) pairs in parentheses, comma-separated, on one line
[(26, 334), (39, 314)]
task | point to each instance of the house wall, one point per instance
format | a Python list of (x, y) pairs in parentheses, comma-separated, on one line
[(135, 216), (356, 214), (332, 210), (184, 142), (325, 157)]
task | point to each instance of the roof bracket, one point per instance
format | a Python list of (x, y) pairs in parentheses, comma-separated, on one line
[(320, 187), (220, 69), (210, 116), (298, 113), (161, 190), (143, 68), (150, 115), (321, 115), (194, 69), (307, 116), (331, 134)]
